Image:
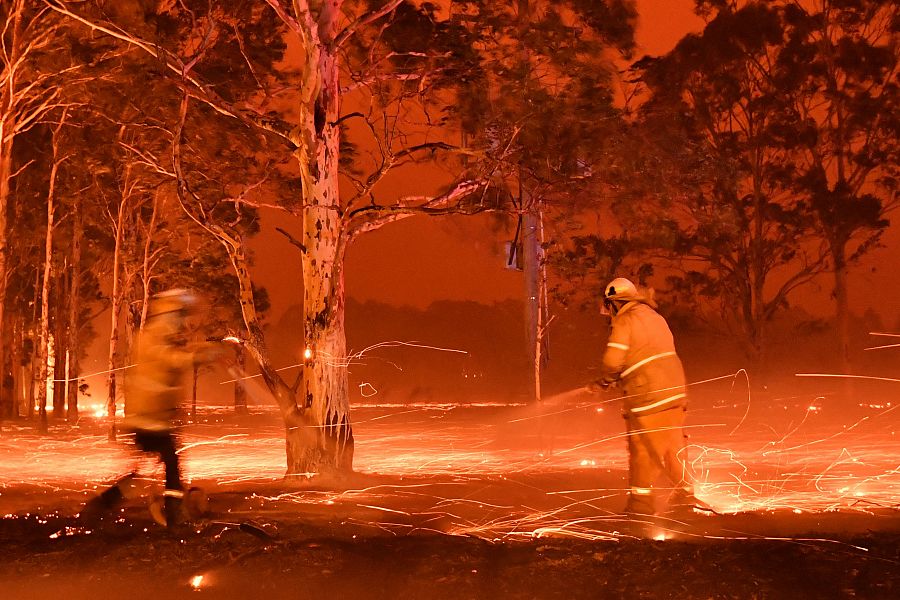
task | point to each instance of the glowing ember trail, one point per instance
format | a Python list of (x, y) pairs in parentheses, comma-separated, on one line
[(501, 471)]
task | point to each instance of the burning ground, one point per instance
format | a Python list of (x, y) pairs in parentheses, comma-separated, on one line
[(470, 501)]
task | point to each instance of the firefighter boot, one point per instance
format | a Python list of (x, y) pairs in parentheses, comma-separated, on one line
[(109, 499), (169, 510), (640, 502), (196, 503), (683, 501)]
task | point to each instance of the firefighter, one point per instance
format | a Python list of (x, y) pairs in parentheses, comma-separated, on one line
[(154, 389), (640, 357)]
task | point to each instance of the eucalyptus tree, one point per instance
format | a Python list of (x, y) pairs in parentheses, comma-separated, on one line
[(712, 180), (839, 68), (30, 78), (335, 96), (541, 93)]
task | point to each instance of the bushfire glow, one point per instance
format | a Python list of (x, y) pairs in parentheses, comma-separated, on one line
[(482, 471)]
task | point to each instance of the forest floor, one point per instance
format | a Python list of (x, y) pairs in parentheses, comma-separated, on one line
[(256, 546), (465, 503)]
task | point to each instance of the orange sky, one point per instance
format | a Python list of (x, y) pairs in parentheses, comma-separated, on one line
[(420, 260)]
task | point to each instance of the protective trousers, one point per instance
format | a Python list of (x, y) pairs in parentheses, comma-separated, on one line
[(656, 443), (163, 443)]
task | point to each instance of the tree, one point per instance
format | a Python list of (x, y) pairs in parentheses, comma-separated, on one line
[(718, 128), (395, 57), (47, 346), (28, 91), (842, 60), (542, 93)]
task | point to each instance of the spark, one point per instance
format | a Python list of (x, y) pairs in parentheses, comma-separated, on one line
[(196, 582), (89, 375), (451, 470), (356, 357), (245, 377), (364, 387), (843, 376), (352, 358), (882, 347)]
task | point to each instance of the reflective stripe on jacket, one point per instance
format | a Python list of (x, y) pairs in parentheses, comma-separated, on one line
[(641, 352)]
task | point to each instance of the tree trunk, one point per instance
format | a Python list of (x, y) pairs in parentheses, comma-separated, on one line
[(531, 247), (842, 304), (13, 66), (32, 380), (297, 420), (43, 351), (18, 380), (34, 359), (59, 372), (147, 264), (759, 358), (194, 375), (115, 309), (240, 394), (74, 306), (324, 392), (5, 174)]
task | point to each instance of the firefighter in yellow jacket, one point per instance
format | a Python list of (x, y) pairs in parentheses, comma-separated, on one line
[(154, 390), (640, 357)]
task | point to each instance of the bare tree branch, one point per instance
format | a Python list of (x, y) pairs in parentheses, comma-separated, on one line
[(374, 216), (364, 19), (191, 84), (290, 21), (292, 239)]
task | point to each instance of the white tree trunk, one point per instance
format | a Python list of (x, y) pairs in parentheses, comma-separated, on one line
[(148, 262), (115, 309), (72, 362), (325, 442), (43, 352)]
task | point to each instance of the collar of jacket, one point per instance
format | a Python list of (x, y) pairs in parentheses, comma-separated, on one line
[(633, 303), (626, 307)]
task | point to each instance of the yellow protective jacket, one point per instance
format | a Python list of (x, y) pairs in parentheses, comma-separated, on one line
[(154, 385), (641, 353)]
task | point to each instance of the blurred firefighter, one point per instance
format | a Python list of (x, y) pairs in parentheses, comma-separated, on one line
[(640, 357), (154, 390)]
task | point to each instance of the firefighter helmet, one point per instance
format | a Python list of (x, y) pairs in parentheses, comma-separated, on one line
[(620, 289), (172, 301)]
